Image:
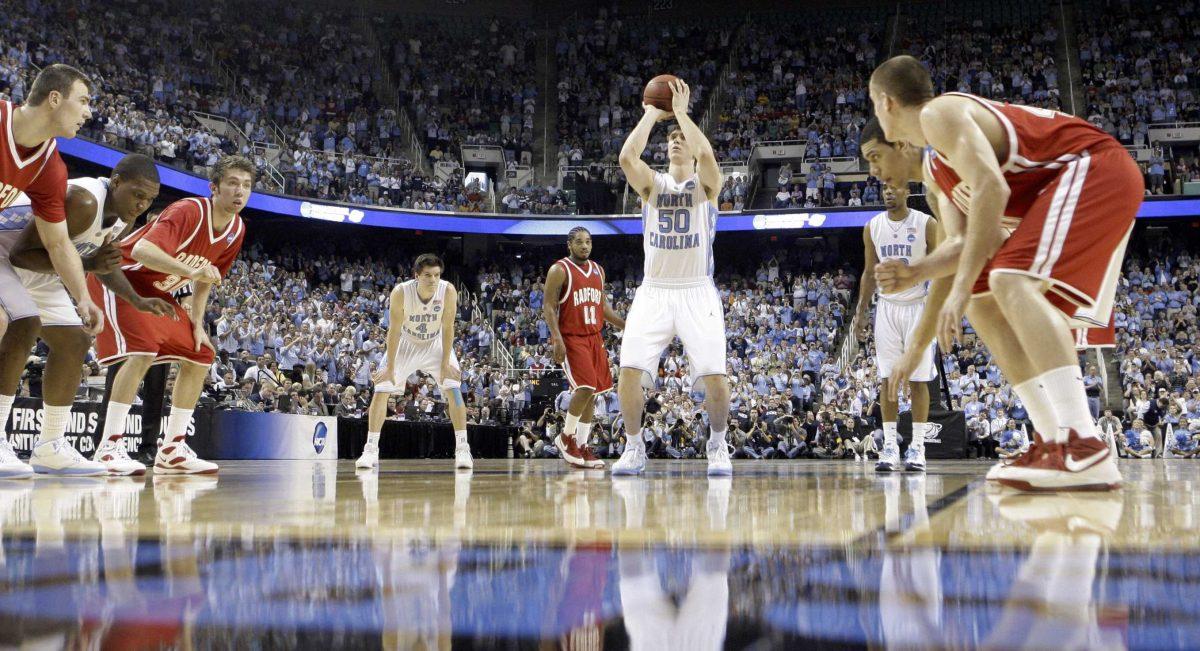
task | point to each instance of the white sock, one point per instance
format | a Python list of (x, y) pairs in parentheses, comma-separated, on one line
[(918, 435), (582, 433), (889, 433), (373, 438), (717, 437), (1037, 403), (570, 425), (460, 437), (114, 421), (54, 425), (6, 403), (1064, 388), (177, 425)]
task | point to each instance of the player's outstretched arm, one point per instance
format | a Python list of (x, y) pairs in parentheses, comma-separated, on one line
[(555, 278), (65, 260), (29, 252), (148, 253), (637, 172), (706, 159)]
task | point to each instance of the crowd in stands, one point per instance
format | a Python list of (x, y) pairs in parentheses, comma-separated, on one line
[(800, 78), (603, 62)]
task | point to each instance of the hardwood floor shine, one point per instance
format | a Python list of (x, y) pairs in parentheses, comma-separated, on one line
[(531, 554)]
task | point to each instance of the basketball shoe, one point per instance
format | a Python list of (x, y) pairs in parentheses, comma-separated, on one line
[(914, 458), (1081, 463), (462, 457), (889, 457), (115, 457), (589, 457), (1035, 451), (178, 458), (369, 458), (570, 451), (59, 457), (632, 461), (719, 464), (11, 466)]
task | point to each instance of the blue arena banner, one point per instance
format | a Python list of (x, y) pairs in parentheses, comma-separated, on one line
[(500, 224)]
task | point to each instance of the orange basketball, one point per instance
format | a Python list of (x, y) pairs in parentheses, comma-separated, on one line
[(658, 93)]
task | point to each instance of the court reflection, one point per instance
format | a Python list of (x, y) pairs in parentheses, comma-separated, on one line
[(440, 560)]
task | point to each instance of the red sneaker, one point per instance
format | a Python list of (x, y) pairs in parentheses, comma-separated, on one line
[(570, 451), (589, 456), (1080, 464), (1036, 451)]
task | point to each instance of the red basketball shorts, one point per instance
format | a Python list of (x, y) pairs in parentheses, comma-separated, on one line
[(1074, 236), (129, 331), (586, 365)]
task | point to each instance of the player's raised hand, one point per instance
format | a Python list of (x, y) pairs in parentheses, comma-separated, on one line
[(558, 350), (894, 275), (207, 274), (92, 317), (681, 96), (659, 114)]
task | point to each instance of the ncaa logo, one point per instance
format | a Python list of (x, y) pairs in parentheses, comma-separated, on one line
[(320, 433), (932, 432), (912, 238), (690, 185)]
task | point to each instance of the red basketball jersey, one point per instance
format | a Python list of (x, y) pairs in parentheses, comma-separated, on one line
[(38, 172), (1040, 143), (184, 230), (581, 305)]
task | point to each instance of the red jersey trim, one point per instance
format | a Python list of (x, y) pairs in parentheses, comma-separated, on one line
[(202, 204), (46, 147)]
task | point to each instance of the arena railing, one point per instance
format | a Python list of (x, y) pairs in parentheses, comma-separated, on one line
[(184, 181)]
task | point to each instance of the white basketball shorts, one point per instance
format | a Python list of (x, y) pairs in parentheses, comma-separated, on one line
[(425, 357), (894, 326), (658, 314), (55, 306)]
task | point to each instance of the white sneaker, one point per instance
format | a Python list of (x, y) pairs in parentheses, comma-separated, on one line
[(179, 459), (889, 457), (719, 464), (11, 466), (914, 459), (115, 457), (462, 457), (59, 457), (632, 461), (369, 458)]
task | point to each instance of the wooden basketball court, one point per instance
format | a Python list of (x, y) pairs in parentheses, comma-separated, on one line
[(530, 554)]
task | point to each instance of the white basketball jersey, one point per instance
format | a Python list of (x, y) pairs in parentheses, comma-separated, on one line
[(902, 240), (679, 224), (19, 214), (423, 319)]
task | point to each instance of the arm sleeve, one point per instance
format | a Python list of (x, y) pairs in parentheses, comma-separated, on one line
[(173, 226), (48, 192)]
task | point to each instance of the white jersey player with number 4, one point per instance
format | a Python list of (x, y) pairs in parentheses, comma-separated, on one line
[(677, 296), (420, 338)]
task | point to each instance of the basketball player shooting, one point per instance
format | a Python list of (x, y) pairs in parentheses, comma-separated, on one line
[(1074, 192), (677, 296), (576, 308)]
